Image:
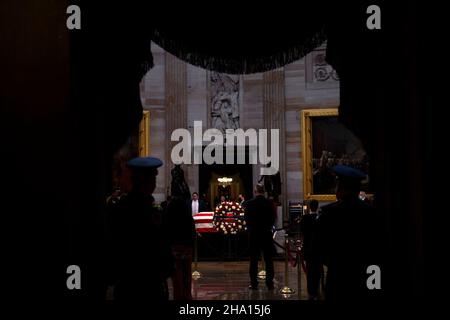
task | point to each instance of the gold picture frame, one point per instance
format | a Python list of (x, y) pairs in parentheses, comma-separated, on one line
[(144, 134), (325, 143)]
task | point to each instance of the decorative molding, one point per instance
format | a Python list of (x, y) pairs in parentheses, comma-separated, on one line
[(319, 74)]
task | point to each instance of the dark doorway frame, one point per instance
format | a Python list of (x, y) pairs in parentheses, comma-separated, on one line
[(245, 172)]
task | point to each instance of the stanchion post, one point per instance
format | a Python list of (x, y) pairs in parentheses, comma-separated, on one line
[(286, 290), (322, 279), (299, 272), (196, 274)]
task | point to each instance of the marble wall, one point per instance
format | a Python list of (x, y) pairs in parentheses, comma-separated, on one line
[(175, 89)]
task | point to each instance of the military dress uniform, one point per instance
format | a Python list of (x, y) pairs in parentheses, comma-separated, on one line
[(346, 234), (142, 258)]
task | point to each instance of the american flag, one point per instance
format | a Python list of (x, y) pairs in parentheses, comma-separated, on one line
[(204, 222)]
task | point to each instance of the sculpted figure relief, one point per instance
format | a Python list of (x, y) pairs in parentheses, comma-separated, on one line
[(224, 101)]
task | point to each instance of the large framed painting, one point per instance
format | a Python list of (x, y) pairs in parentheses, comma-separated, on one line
[(326, 143), (137, 144)]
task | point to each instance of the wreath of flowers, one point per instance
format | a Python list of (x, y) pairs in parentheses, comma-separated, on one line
[(229, 217)]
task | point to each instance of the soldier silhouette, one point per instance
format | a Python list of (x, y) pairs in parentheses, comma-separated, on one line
[(142, 257), (346, 234)]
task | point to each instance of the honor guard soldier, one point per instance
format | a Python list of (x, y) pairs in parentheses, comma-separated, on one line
[(142, 256), (346, 238), (260, 218)]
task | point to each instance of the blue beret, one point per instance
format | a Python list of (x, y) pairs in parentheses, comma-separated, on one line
[(145, 162), (348, 172)]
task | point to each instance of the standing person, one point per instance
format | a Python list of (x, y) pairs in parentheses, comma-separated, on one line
[(260, 219), (142, 257), (347, 231), (308, 226), (196, 205), (206, 202), (180, 224), (241, 199)]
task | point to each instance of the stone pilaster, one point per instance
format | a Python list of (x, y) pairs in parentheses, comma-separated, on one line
[(274, 118), (176, 104)]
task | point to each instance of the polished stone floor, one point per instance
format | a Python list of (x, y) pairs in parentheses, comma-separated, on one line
[(230, 280)]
